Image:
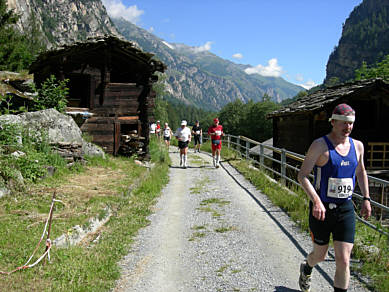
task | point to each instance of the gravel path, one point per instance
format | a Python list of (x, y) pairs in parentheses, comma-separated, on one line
[(213, 231)]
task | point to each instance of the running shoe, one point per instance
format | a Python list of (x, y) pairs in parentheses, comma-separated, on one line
[(304, 280)]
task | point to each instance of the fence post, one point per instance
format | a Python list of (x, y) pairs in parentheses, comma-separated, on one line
[(238, 146), (247, 149), (261, 157), (228, 141), (283, 166)]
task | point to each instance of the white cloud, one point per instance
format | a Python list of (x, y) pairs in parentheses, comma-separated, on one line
[(237, 56), (117, 9), (271, 70), (151, 29), (203, 48), (299, 78), (308, 85)]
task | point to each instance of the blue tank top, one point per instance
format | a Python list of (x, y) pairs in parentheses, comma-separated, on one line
[(338, 166)]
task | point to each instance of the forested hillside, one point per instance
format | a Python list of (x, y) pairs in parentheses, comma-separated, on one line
[(365, 38)]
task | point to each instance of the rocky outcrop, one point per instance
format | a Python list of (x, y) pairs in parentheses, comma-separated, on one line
[(365, 38), (61, 129), (64, 21)]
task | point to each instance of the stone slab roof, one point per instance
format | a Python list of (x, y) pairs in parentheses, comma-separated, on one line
[(93, 48), (328, 96)]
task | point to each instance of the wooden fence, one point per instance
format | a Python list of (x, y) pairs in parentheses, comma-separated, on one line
[(284, 165)]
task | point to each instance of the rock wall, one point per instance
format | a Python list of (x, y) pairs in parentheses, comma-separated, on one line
[(64, 21)]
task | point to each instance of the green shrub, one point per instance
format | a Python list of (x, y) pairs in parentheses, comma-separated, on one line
[(52, 94), (36, 153)]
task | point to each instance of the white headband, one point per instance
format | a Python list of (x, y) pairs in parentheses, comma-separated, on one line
[(342, 118)]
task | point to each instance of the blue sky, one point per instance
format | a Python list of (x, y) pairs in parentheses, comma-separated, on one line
[(290, 39)]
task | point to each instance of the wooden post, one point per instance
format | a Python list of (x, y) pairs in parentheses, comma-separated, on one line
[(247, 149), (50, 220), (228, 141), (283, 166), (261, 153), (238, 146), (382, 202)]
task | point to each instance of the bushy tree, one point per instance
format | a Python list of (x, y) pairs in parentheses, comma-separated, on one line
[(14, 50), (52, 94), (161, 106), (380, 70), (232, 115), (248, 119)]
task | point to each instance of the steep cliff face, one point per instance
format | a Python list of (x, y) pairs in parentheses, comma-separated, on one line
[(202, 78), (64, 21), (365, 37)]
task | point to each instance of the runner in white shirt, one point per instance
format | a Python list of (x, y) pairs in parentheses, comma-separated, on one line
[(153, 127), (184, 137), (167, 134)]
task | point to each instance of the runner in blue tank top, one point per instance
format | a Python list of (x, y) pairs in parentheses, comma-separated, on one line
[(336, 160), (338, 167)]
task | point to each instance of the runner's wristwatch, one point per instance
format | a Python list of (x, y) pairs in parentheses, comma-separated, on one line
[(366, 199)]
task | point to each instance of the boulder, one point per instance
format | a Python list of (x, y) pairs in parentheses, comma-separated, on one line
[(4, 191), (60, 128)]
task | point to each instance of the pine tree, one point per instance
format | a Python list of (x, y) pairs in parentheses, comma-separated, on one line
[(14, 49)]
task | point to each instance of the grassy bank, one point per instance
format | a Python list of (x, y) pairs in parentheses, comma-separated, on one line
[(86, 192), (371, 249)]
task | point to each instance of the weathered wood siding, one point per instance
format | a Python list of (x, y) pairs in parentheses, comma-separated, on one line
[(102, 130), (293, 133)]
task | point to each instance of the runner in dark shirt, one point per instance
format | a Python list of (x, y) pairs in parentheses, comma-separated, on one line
[(197, 133)]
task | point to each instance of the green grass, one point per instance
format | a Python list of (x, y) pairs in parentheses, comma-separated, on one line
[(216, 201), (197, 235), (210, 210), (199, 186), (199, 227), (225, 229), (85, 267), (221, 270)]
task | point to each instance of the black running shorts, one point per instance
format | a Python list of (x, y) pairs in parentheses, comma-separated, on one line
[(183, 145), (339, 221), (197, 139)]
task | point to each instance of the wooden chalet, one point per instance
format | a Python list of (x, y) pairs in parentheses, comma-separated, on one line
[(298, 124), (110, 81)]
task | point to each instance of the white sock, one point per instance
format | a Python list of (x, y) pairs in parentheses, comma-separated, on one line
[(185, 159), (218, 158)]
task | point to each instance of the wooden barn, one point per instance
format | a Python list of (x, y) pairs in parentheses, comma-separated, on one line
[(110, 84), (298, 124)]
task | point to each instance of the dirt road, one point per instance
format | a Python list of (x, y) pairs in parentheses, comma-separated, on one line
[(213, 231)]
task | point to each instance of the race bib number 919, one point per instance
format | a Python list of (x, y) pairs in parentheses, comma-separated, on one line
[(340, 188)]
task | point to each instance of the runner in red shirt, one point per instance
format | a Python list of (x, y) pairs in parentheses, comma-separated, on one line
[(158, 130), (216, 133)]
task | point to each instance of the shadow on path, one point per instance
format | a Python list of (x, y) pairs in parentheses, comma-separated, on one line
[(283, 229), (284, 289)]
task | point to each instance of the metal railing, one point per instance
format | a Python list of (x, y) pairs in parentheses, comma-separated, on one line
[(284, 165)]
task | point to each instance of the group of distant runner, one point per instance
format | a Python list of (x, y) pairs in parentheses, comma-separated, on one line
[(184, 136), (336, 161)]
